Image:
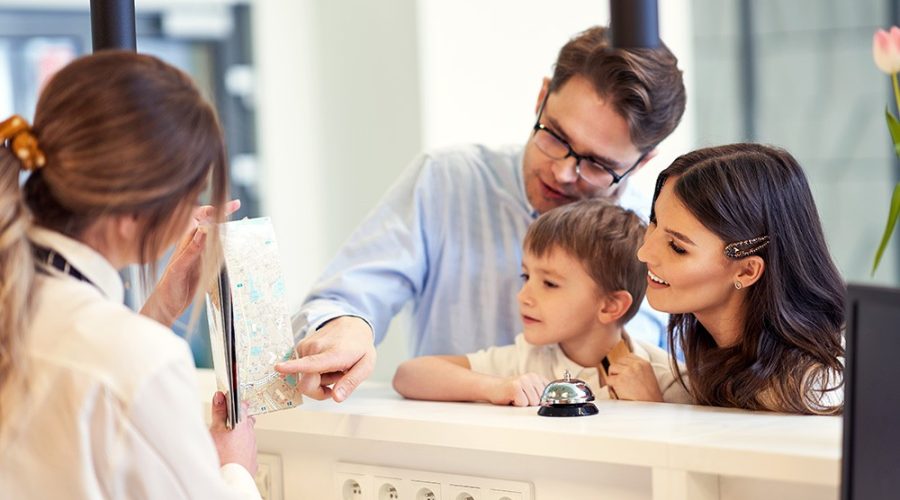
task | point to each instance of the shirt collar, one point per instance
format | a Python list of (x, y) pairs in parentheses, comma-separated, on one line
[(562, 363), (587, 374), (88, 261), (591, 374)]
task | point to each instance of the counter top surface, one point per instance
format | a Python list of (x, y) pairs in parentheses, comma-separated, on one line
[(695, 438)]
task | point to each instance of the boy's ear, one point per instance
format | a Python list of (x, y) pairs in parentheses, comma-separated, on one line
[(613, 306), (750, 271)]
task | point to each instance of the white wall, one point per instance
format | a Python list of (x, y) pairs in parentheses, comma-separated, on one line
[(338, 119), (482, 64), (286, 89)]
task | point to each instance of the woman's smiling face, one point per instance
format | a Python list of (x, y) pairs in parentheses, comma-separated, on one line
[(687, 269)]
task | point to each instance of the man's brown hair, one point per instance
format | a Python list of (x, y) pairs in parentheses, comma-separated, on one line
[(645, 86), (602, 236)]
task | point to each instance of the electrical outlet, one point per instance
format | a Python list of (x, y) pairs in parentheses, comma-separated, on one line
[(462, 492), (370, 482), (426, 490), (268, 476), (263, 482), (504, 495), (388, 488), (352, 486)]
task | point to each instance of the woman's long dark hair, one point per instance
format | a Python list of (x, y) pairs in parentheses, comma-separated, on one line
[(789, 355)]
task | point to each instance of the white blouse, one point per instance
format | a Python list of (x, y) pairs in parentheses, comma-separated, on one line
[(111, 407)]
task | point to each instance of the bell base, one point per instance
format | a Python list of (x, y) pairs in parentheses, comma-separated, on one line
[(576, 410)]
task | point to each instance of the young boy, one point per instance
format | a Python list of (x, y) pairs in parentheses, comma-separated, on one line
[(573, 315)]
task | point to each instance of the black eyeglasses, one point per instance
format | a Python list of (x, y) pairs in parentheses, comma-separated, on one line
[(587, 168)]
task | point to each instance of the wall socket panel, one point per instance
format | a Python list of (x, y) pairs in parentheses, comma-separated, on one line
[(268, 477), (370, 482)]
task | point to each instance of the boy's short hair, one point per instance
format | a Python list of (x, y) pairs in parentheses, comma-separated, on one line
[(602, 236)]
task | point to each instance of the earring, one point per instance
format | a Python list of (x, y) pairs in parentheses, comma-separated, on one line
[(738, 285)]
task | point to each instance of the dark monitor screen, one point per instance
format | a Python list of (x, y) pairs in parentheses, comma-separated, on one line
[(871, 460)]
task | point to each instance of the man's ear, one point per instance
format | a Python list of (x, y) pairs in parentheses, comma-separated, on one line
[(613, 306), (750, 270), (545, 87)]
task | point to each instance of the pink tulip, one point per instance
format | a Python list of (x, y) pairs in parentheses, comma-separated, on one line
[(886, 50)]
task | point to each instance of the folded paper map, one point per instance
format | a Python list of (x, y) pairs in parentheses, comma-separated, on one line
[(249, 328)]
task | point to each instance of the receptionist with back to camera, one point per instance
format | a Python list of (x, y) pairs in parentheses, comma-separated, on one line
[(448, 234), (96, 401)]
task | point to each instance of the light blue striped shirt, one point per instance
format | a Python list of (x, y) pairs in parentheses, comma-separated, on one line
[(447, 237)]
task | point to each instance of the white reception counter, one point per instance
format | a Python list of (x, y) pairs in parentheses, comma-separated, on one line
[(629, 451)]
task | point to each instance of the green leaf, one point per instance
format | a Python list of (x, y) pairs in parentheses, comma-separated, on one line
[(894, 127), (889, 228)]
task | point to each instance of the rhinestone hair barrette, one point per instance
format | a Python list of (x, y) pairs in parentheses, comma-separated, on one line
[(741, 249)]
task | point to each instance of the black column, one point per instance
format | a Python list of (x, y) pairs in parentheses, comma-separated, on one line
[(634, 24), (748, 66), (112, 25)]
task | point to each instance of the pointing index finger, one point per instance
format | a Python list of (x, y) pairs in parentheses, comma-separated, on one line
[(314, 363)]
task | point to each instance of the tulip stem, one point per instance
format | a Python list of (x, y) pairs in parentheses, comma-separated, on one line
[(896, 90)]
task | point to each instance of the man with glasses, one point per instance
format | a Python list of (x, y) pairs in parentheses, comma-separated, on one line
[(591, 170), (447, 237)]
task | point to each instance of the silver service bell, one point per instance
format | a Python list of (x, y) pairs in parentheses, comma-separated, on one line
[(567, 397)]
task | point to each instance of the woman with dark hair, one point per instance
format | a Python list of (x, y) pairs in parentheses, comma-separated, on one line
[(735, 253), (97, 401)]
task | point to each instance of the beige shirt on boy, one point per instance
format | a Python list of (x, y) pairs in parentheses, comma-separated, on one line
[(550, 361)]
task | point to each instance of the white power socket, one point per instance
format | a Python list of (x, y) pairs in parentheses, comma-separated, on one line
[(504, 495), (268, 477), (370, 482), (463, 492), (353, 486), (424, 490), (387, 487)]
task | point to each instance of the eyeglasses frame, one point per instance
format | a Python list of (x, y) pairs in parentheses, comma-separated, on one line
[(617, 177)]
